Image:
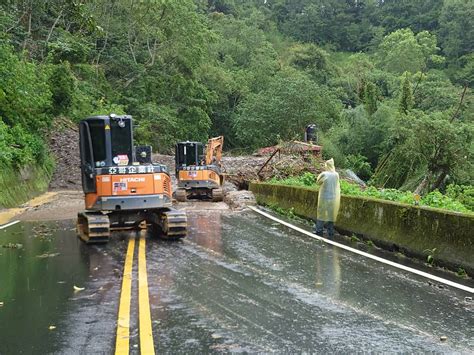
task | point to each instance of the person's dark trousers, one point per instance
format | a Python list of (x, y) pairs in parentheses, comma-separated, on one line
[(318, 228)]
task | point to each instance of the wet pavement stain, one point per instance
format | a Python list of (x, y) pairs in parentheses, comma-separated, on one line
[(262, 288), (238, 283)]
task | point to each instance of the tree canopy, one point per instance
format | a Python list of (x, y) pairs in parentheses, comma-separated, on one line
[(388, 83)]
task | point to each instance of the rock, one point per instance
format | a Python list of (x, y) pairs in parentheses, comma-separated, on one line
[(239, 199), (228, 186), (443, 338)]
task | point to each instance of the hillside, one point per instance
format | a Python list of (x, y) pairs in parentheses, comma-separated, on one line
[(388, 83)]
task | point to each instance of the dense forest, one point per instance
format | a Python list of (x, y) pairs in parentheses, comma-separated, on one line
[(388, 82)]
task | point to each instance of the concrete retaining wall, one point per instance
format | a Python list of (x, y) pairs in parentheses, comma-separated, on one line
[(17, 187), (396, 226)]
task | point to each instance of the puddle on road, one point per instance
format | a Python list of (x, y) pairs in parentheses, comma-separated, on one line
[(37, 283)]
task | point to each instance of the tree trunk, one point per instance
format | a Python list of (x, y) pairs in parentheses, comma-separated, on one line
[(421, 187), (439, 180)]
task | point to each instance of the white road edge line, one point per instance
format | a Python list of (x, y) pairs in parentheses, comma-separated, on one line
[(9, 224), (370, 256)]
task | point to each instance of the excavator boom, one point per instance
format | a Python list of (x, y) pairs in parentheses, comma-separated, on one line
[(214, 150)]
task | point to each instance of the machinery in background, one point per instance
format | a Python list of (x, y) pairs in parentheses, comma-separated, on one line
[(121, 185), (199, 175), (311, 134)]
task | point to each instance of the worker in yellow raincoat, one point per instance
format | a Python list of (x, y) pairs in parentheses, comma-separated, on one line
[(329, 199)]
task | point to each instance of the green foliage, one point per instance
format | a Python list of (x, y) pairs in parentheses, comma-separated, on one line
[(463, 70), (406, 96), (456, 29), (314, 61), (282, 211), (430, 255), (157, 121), (25, 97), (383, 194), (370, 98), (438, 200), (403, 51), (307, 179), (434, 199), (431, 143), (25, 100), (331, 148), (370, 243), (92, 94), (361, 135), (462, 193), (368, 73), (344, 24), (354, 239), (462, 273), (359, 164), (62, 87), (291, 102), (67, 47)]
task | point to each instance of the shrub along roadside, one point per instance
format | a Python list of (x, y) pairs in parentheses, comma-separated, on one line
[(457, 198)]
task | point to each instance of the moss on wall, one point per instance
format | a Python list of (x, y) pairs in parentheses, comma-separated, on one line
[(17, 187), (409, 228)]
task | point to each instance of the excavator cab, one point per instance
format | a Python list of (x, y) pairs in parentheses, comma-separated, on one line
[(189, 154), (122, 190), (97, 151), (199, 172)]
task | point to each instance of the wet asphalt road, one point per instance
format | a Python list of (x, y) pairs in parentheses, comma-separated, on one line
[(239, 283)]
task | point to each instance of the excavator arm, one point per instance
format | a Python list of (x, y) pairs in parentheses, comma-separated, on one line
[(214, 150)]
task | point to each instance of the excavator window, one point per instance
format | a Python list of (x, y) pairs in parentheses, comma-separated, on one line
[(87, 158), (189, 153), (97, 131), (121, 138)]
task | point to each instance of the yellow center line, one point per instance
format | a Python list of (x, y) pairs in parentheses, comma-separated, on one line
[(122, 343), (146, 334)]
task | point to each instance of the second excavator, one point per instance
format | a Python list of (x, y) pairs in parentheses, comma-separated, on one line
[(199, 173)]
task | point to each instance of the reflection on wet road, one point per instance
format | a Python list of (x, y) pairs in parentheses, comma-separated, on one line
[(238, 283), (252, 286)]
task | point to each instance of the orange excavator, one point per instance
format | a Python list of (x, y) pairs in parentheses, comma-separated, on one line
[(199, 175), (122, 187)]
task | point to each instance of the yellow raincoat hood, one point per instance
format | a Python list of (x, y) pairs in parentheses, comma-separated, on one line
[(329, 165)]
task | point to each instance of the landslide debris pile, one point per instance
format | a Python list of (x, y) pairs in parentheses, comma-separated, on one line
[(240, 170), (64, 146)]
